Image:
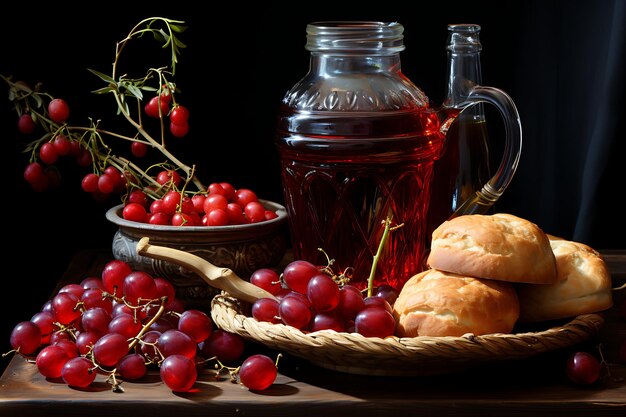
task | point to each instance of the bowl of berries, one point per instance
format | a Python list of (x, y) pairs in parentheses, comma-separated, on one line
[(254, 238)]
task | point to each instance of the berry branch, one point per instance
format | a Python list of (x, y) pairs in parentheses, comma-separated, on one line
[(88, 142)]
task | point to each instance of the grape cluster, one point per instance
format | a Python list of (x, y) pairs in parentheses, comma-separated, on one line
[(124, 323), (309, 298)]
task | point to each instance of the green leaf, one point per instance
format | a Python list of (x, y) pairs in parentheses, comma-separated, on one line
[(38, 101), (160, 36), (178, 28), (135, 91), (104, 90), (179, 43), (102, 76)]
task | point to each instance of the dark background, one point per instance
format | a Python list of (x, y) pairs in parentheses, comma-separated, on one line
[(561, 61)]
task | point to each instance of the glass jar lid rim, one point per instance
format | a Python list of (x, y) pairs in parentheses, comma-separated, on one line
[(360, 35)]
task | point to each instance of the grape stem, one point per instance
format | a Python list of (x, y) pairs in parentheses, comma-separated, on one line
[(383, 240)]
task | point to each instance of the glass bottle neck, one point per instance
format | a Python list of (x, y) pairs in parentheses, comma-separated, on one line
[(335, 64), (464, 70)]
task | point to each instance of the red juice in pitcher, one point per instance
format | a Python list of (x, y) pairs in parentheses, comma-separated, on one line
[(344, 174), (357, 142)]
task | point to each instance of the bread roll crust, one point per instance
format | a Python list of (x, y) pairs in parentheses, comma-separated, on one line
[(583, 286), (499, 246), (437, 303)]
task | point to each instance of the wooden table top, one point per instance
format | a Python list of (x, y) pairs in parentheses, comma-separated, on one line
[(529, 387)]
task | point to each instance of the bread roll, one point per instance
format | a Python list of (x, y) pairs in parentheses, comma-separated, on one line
[(436, 303), (583, 286), (500, 246)]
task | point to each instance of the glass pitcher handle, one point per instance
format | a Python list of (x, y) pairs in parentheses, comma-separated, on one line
[(484, 198)]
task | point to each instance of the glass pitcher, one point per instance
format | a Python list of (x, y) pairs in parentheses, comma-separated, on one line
[(357, 142)]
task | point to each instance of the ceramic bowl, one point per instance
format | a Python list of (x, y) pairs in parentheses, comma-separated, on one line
[(242, 248)]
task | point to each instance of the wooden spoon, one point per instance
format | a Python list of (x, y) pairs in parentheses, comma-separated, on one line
[(222, 278)]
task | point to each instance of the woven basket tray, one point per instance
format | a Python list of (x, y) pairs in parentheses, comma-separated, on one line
[(356, 354)]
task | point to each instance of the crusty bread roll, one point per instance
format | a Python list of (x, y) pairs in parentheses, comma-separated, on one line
[(583, 286), (437, 303), (499, 246)]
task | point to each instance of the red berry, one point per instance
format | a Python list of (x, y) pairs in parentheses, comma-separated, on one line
[(26, 124), (152, 107), (257, 372), (180, 130), (33, 172), (139, 197), (179, 115), (62, 145), (48, 153), (58, 110), (139, 149), (134, 212), (166, 176), (90, 183), (583, 368), (106, 183)]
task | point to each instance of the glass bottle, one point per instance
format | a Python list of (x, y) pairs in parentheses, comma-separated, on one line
[(357, 140), (464, 164)]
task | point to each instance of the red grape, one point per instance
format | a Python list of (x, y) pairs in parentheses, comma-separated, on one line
[(350, 302), (139, 285), (583, 368), (323, 293), (375, 321), (196, 324), (110, 348), (378, 301), (85, 341), (266, 278), (297, 275), (294, 311), (148, 343), (327, 321), (226, 346), (266, 309), (113, 276), (387, 292), (125, 324), (175, 342), (132, 366), (257, 372), (45, 320), (50, 361), (77, 372), (70, 347), (178, 372), (64, 307), (95, 320)]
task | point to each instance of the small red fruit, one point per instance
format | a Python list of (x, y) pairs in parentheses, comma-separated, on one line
[(179, 115), (58, 110), (583, 368), (26, 124)]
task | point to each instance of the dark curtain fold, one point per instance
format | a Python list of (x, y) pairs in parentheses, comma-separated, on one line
[(569, 87)]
